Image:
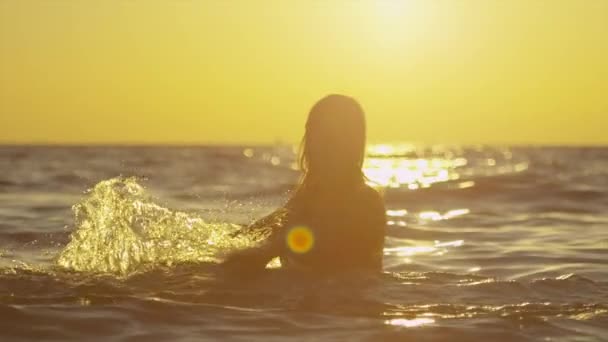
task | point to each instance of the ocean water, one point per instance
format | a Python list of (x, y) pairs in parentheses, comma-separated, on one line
[(123, 243)]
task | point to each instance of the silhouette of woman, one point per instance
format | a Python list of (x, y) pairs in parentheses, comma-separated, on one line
[(334, 222)]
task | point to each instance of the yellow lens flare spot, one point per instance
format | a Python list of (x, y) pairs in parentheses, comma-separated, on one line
[(300, 239)]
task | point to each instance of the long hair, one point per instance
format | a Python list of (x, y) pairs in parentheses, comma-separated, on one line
[(333, 147)]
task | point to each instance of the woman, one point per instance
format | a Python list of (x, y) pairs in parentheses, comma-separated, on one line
[(334, 222)]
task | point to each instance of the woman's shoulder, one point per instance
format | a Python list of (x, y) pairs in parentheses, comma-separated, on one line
[(370, 211), (370, 193), (371, 198)]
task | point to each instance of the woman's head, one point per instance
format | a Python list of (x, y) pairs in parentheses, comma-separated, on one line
[(333, 146)]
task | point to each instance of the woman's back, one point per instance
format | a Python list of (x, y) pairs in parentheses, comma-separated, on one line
[(347, 228)]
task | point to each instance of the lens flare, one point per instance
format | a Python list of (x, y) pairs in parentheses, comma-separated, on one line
[(300, 239)]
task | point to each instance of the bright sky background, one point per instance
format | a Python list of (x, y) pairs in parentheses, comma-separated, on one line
[(213, 71)]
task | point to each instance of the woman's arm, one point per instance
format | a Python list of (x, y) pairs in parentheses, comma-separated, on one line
[(252, 259), (266, 226), (265, 229)]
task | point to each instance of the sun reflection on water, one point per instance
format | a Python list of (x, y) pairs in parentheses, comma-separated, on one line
[(412, 167), (390, 166), (409, 323), (436, 216), (438, 247), (396, 213)]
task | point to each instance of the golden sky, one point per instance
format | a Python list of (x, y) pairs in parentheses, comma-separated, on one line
[(213, 71)]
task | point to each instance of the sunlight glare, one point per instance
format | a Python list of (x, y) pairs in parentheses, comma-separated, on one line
[(398, 21), (393, 12), (437, 247), (409, 323), (390, 166)]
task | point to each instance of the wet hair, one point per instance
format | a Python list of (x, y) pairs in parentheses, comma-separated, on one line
[(333, 146)]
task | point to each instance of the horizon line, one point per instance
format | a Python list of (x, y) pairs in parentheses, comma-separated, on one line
[(281, 143)]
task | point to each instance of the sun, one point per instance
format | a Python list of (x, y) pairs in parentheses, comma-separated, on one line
[(392, 9), (396, 22)]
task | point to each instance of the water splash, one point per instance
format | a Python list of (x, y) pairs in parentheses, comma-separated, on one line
[(119, 230)]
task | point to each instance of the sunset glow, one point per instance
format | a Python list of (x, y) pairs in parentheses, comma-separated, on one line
[(247, 72)]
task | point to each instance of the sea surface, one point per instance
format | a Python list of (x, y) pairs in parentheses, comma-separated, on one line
[(124, 244)]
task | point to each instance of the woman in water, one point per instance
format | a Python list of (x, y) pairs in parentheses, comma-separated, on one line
[(334, 222)]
